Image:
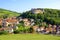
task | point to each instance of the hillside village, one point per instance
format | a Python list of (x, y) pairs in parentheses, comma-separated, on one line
[(10, 24), (29, 20)]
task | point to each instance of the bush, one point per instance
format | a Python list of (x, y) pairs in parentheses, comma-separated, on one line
[(30, 30), (16, 31), (21, 29), (0, 26), (3, 32)]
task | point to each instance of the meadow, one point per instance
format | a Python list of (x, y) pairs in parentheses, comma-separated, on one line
[(29, 37)]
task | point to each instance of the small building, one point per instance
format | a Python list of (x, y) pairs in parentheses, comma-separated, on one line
[(35, 28), (26, 22), (58, 30)]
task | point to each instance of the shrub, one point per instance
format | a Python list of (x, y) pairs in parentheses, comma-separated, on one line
[(16, 31), (30, 30), (0, 26), (3, 32)]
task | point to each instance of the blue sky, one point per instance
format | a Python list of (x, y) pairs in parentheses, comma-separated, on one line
[(24, 5)]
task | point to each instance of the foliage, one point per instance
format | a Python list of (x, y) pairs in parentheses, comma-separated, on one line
[(51, 16), (3, 32), (0, 26), (16, 31), (30, 30), (22, 28)]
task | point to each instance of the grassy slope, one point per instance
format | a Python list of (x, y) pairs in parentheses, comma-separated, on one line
[(8, 12), (28, 37)]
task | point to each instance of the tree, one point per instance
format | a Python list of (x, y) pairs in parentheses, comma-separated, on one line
[(5, 16)]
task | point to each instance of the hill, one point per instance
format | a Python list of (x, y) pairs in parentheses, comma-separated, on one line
[(50, 16), (8, 13)]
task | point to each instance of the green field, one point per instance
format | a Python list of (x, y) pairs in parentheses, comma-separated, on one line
[(8, 13), (29, 37)]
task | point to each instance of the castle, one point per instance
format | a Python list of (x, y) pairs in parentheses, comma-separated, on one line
[(37, 10)]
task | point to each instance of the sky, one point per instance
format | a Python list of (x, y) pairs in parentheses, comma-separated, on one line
[(24, 5)]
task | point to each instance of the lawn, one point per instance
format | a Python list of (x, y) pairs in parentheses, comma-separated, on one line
[(29, 37)]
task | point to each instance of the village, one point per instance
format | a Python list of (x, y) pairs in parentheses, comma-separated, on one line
[(10, 24)]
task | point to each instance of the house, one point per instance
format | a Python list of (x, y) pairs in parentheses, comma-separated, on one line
[(20, 19), (42, 29), (32, 23), (58, 30), (25, 19), (4, 23), (35, 28), (32, 20), (10, 30), (12, 22), (26, 22), (1, 21), (54, 29), (49, 25)]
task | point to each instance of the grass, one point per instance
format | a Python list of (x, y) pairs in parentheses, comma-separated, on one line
[(29, 37), (9, 13)]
